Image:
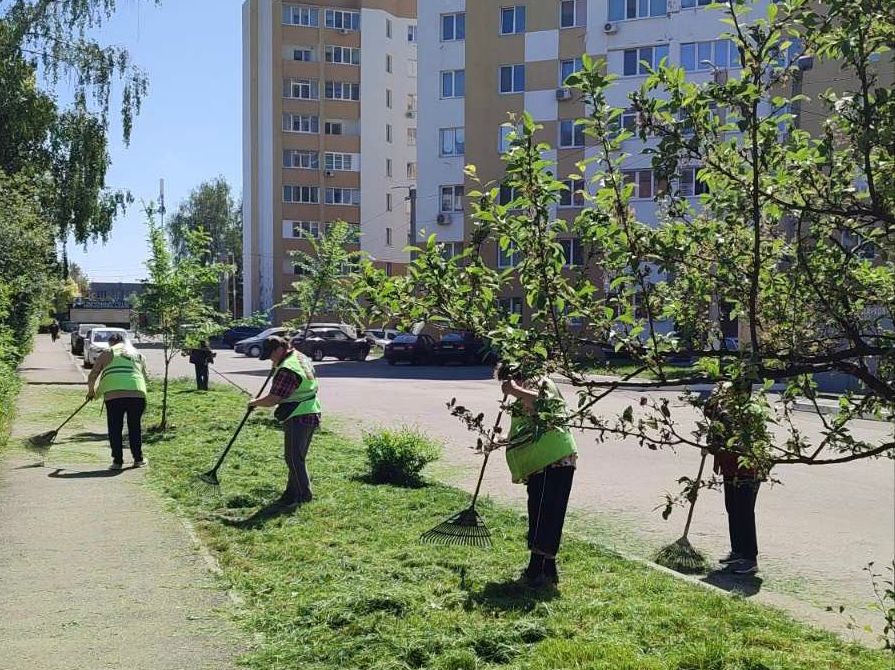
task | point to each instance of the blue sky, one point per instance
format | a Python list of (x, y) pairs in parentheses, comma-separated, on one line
[(190, 128)]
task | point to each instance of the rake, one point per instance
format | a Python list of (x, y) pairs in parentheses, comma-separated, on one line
[(466, 527), (45, 440), (228, 380), (210, 478), (681, 555)]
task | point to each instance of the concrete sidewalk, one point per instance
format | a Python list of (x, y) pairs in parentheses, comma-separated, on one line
[(94, 575), (51, 363)]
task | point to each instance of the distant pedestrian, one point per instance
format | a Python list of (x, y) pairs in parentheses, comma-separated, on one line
[(741, 479), (54, 330), (544, 458), (201, 357), (121, 372), (293, 391)]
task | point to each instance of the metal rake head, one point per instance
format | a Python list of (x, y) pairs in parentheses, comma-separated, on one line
[(210, 479), (42, 441), (464, 528)]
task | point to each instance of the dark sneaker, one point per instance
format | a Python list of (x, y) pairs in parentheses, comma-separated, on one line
[(732, 557), (116, 466), (744, 567), (141, 462), (550, 571)]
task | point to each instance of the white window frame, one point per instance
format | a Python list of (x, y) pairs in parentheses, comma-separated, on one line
[(308, 17), (388, 98), (453, 17), (388, 133), (388, 167), (689, 184), (411, 33), (576, 130), (510, 306), (304, 159), (573, 193), (335, 19), (301, 195), (447, 134), (454, 193), (388, 202), (631, 10), (577, 65), (707, 55), (574, 250), (388, 29), (514, 71), (411, 170), (562, 5), (328, 126), (305, 51), (693, 4), (453, 76), (657, 52), (339, 162), (636, 177), (335, 53), (311, 121), (517, 11), (307, 89), (388, 233), (306, 230), (388, 63), (507, 259), (411, 136), (344, 195), (342, 90), (503, 133)]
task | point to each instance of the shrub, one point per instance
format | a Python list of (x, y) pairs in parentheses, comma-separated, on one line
[(398, 456)]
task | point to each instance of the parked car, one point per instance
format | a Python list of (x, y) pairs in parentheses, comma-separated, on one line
[(381, 336), (414, 349), (231, 336), (251, 346), (333, 342), (462, 348), (68, 326), (78, 335), (97, 341), (350, 331)]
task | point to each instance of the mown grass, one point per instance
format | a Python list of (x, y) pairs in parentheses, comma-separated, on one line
[(343, 582)]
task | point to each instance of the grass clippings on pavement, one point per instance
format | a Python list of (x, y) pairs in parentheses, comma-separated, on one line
[(344, 583)]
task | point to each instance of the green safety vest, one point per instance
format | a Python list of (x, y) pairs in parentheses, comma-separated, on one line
[(121, 374), (305, 396), (530, 452)]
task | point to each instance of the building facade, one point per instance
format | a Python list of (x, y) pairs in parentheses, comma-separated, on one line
[(329, 133)]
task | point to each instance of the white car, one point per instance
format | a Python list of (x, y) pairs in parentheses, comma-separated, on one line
[(98, 342), (381, 336)]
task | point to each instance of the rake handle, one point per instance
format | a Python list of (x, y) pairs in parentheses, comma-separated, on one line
[(693, 502), (72, 415), (228, 380), (478, 486)]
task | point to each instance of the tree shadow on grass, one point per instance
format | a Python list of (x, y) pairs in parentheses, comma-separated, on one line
[(511, 596), (745, 585), (59, 473)]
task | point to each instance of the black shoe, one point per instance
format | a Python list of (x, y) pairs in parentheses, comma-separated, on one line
[(550, 571), (744, 566), (732, 557)]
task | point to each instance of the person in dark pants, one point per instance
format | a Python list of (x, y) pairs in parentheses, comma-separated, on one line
[(201, 357), (741, 481), (293, 391), (121, 373), (544, 459), (54, 330)]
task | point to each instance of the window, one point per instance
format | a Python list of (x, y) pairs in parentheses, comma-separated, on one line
[(503, 136), (645, 186), (568, 14), (304, 54), (306, 229), (634, 59), (301, 16), (388, 234), (453, 83), (512, 20), (453, 27), (411, 105), (451, 141), (309, 160), (411, 67), (687, 4), (451, 249), (620, 10), (388, 167), (339, 161), (388, 98), (411, 137), (690, 183), (342, 20), (573, 253), (388, 63), (569, 67), (388, 28), (452, 198), (701, 56), (507, 194), (411, 32), (343, 196), (388, 203), (388, 133), (333, 128), (301, 123), (510, 306), (342, 90), (573, 195), (506, 258), (301, 194), (570, 134), (627, 120), (302, 89), (344, 55), (411, 170), (512, 78)]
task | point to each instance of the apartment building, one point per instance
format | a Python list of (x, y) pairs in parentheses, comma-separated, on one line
[(329, 133)]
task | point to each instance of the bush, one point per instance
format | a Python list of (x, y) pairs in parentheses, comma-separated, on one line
[(398, 456)]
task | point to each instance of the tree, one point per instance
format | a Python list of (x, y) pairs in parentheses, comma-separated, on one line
[(77, 275), (792, 234), (172, 303), (327, 274)]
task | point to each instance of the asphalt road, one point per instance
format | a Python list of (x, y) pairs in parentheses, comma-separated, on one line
[(818, 528)]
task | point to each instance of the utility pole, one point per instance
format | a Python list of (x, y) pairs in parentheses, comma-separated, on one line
[(224, 286), (161, 200)]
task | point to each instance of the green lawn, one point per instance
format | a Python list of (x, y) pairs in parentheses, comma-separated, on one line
[(343, 583)]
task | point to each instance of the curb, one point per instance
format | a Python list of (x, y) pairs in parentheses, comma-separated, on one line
[(211, 562)]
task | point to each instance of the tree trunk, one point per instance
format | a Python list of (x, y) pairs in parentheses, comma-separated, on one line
[(163, 424)]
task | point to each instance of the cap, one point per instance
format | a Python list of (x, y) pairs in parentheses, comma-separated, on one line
[(271, 344)]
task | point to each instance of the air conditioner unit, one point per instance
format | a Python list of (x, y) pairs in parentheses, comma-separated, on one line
[(344, 31), (563, 94), (443, 219), (329, 173), (410, 114), (609, 28)]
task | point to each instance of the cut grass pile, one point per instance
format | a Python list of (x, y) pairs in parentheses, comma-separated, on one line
[(343, 583)]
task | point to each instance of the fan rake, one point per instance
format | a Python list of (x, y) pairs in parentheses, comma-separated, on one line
[(40, 444)]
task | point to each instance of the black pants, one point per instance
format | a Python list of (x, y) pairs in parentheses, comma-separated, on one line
[(739, 501), (548, 499), (297, 441), (201, 377), (116, 410)]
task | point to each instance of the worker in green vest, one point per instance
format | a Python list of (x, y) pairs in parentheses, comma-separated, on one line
[(293, 392), (542, 455), (121, 372)]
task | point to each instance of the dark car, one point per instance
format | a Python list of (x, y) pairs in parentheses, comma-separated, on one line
[(462, 348), (332, 342), (414, 349), (231, 336)]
